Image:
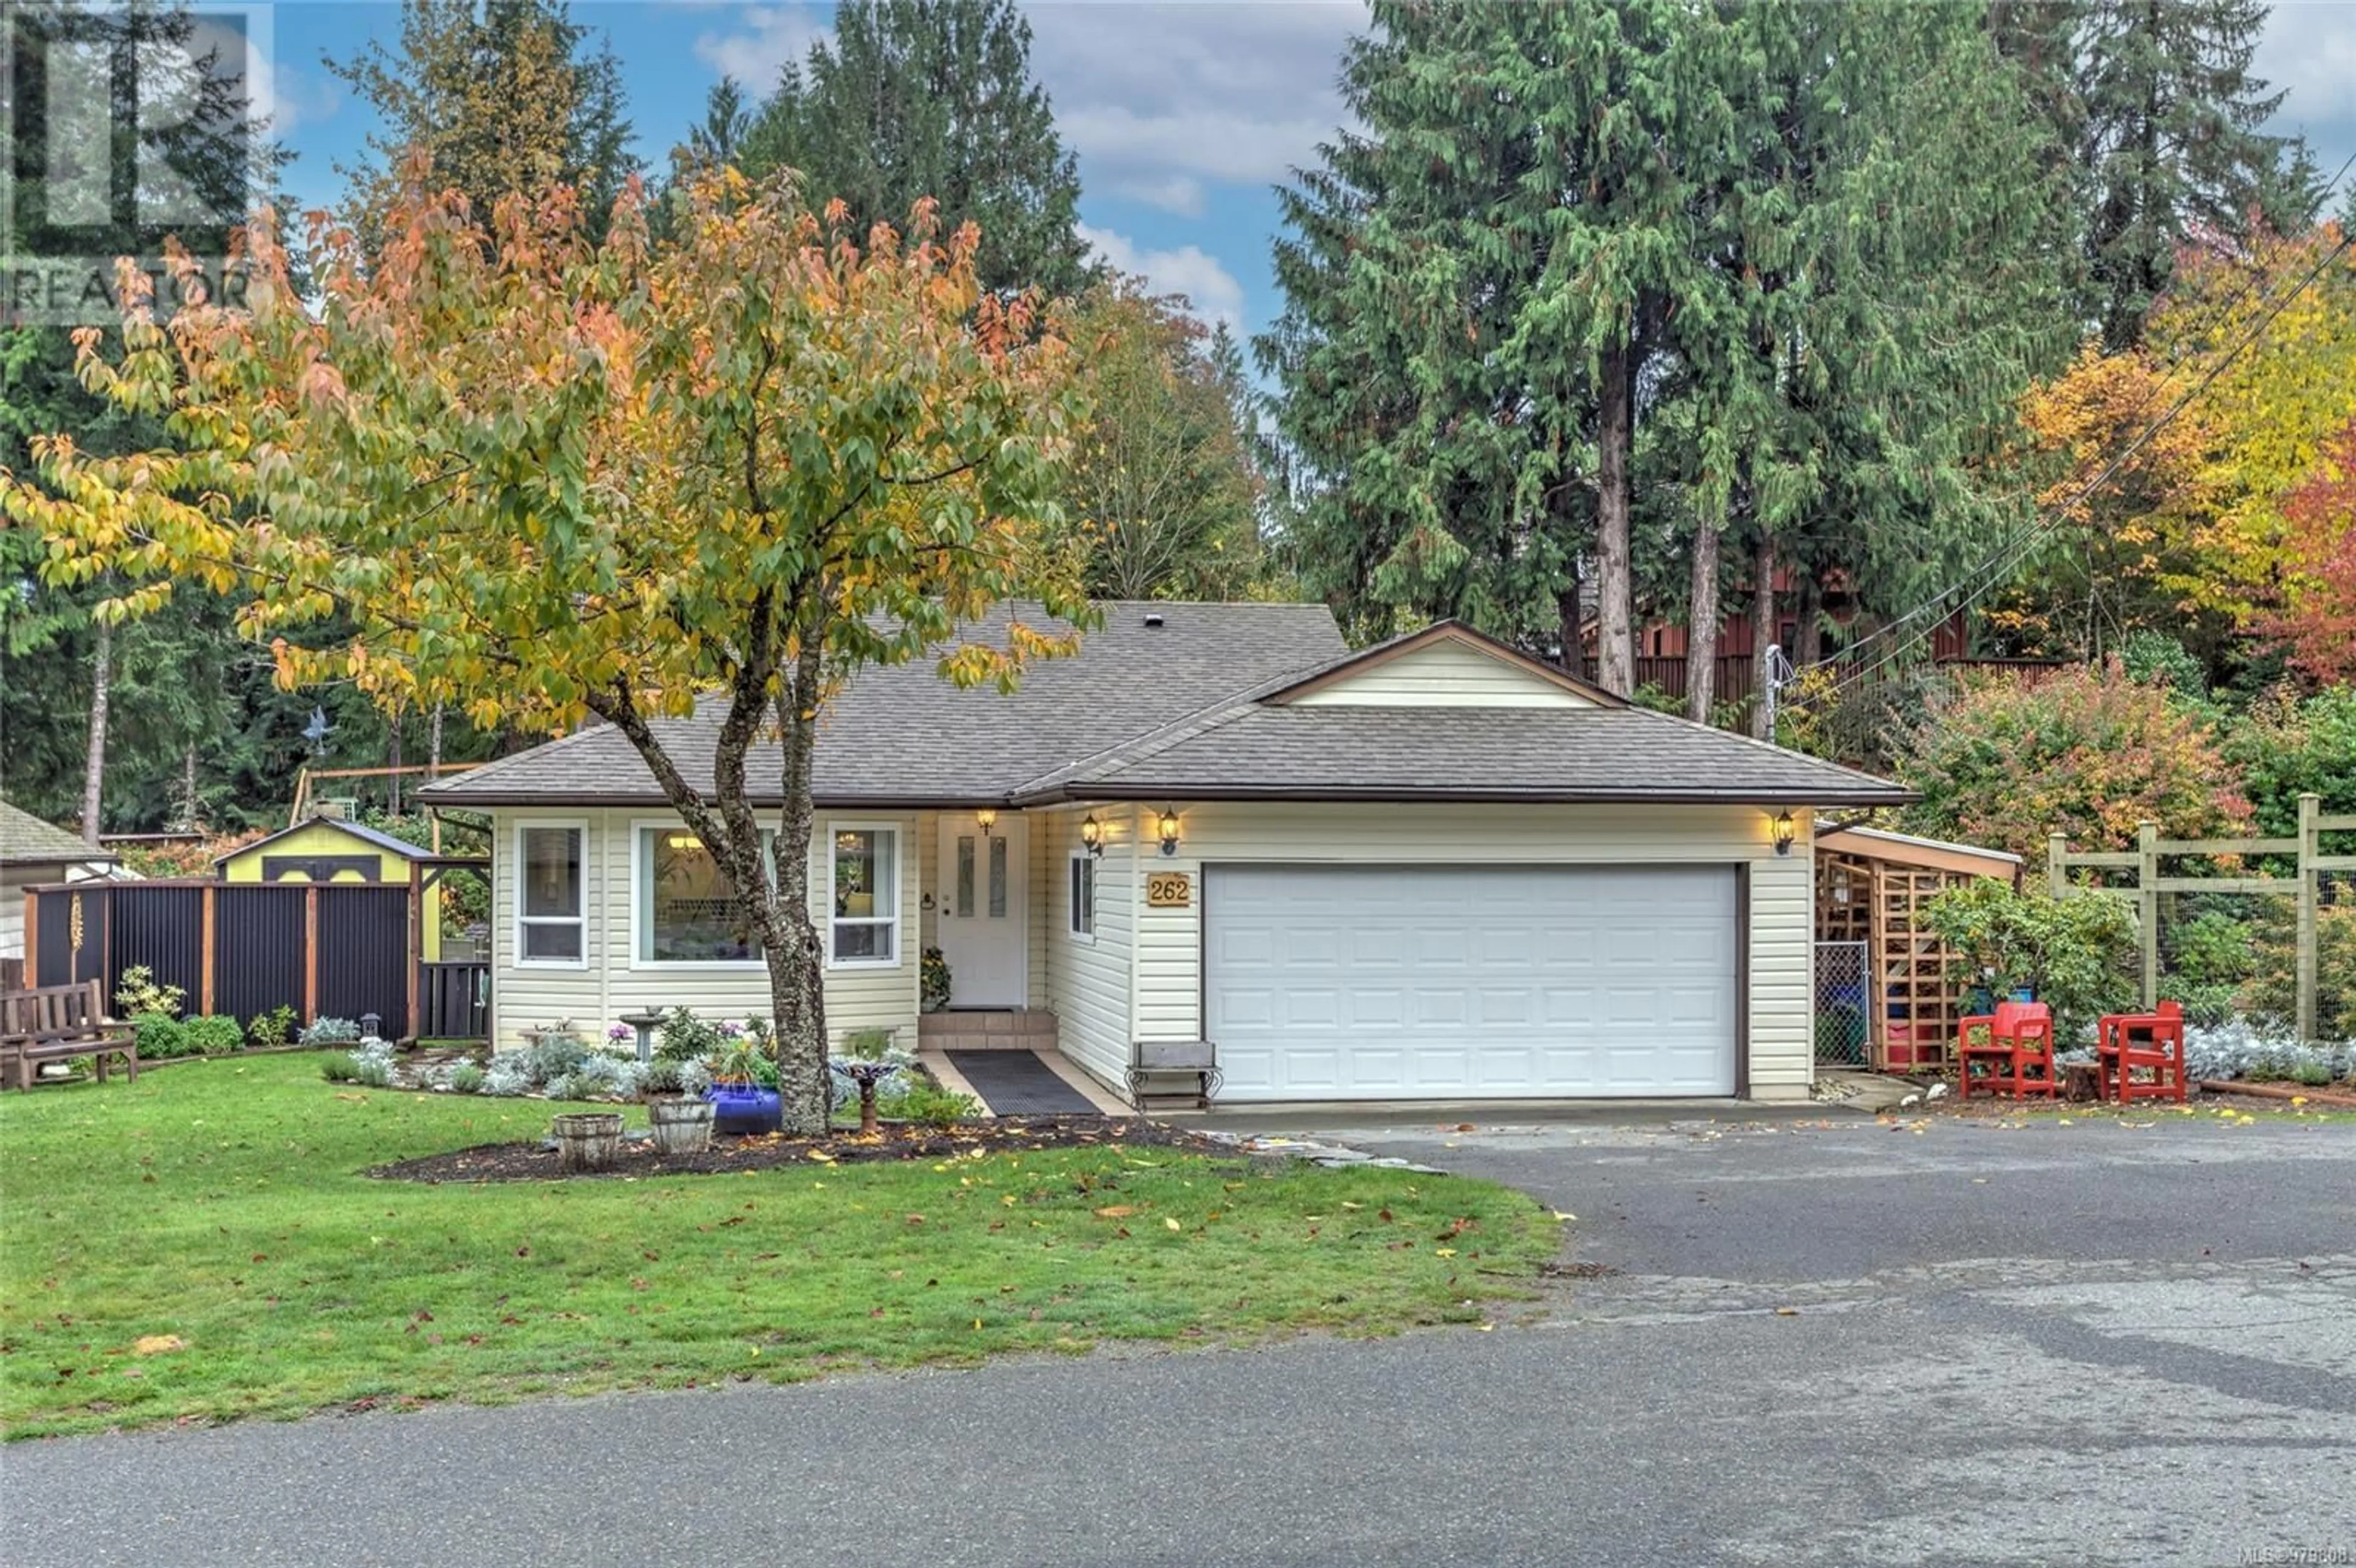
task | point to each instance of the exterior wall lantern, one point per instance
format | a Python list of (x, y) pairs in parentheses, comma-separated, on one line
[(1092, 834), (988, 817), (1785, 832), (1168, 826)]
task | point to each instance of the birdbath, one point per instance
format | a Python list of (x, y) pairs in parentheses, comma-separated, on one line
[(645, 1023), (867, 1075)]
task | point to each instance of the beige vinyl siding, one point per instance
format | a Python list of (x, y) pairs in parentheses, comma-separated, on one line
[(1168, 993), (525, 995), (1446, 674), (1088, 983)]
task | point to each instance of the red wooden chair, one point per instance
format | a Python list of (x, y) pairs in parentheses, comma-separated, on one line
[(2151, 1042), (2016, 1055)]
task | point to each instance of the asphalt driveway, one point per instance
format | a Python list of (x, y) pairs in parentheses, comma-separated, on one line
[(1824, 1343)]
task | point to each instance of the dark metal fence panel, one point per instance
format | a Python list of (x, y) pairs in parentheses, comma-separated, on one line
[(453, 1000), (70, 934), (161, 930), (364, 954), (258, 955)]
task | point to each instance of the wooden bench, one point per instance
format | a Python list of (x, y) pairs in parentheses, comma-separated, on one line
[(56, 1023)]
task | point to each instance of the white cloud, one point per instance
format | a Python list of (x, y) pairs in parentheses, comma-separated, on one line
[(1160, 99), (769, 37), (300, 95), (2309, 51), (1189, 270)]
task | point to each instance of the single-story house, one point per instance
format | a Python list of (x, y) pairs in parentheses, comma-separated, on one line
[(1434, 868), (324, 848), (33, 853)]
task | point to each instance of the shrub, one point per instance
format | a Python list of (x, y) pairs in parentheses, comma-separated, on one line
[(2154, 659), (2272, 993), (273, 1027), (663, 1077), (508, 1074), (555, 1056), (339, 1069), (2285, 747), (2213, 959), (136, 992), (684, 1037), (330, 1032), (214, 1035), (160, 1035), (867, 1044), (466, 1078), (913, 1097), (2077, 954), (2086, 753), (371, 1069), (932, 981)]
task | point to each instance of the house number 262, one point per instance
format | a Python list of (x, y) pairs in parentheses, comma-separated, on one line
[(1169, 890)]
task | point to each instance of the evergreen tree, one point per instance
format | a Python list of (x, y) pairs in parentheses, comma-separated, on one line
[(2156, 104), (933, 98), (1477, 289), (499, 95)]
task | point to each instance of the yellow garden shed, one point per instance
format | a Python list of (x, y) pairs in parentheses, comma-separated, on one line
[(330, 849)]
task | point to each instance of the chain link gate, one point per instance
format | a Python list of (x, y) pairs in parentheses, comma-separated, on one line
[(1841, 992)]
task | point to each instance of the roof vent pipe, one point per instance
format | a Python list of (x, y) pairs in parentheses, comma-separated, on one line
[(1154, 619)]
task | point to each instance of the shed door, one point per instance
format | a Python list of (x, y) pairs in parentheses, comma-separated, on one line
[(1490, 982)]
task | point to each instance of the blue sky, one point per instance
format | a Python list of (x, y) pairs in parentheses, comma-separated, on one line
[(1183, 115)]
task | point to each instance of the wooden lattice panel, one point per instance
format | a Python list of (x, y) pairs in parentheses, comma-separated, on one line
[(1922, 981)]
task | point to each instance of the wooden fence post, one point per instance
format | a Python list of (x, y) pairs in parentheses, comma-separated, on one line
[(32, 940), (413, 943), (2147, 906), (205, 956), (311, 954), (2310, 889), (2057, 875)]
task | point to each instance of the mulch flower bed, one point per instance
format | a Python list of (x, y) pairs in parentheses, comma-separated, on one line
[(537, 1162)]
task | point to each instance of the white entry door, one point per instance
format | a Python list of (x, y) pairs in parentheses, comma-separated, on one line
[(979, 910), (1471, 982)]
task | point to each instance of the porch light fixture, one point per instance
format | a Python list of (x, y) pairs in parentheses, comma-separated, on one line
[(684, 841), (1785, 832), (988, 817), (1168, 826), (1092, 834)]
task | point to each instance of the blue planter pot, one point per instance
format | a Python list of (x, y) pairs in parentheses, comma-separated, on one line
[(743, 1108)]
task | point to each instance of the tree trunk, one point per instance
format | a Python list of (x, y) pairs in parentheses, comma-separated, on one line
[(1762, 637), (188, 815), (393, 757), (1810, 624), (101, 685), (798, 961), (434, 746), (1701, 627), (1615, 631), (1573, 657)]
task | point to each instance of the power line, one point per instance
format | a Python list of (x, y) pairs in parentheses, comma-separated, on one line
[(2006, 556)]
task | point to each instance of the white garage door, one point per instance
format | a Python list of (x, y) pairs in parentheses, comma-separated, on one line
[(1404, 982)]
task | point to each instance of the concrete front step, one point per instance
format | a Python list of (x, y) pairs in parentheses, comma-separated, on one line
[(1014, 1029)]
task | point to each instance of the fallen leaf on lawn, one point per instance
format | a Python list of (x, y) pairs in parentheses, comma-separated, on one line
[(1115, 1212), (1485, 1328), (156, 1344), (1348, 1204), (915, 1219), (1172, 1224), (1445, 1252), (818, 1155), (1564, 1216)]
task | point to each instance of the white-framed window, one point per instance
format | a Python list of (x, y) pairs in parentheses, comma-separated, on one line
[(1081, 901), (551, 894), (862, 894), (682, 908)]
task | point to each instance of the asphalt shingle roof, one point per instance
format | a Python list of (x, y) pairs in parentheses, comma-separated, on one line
[(900, 734), (1173, 711), (1475, 753), (26, 840)]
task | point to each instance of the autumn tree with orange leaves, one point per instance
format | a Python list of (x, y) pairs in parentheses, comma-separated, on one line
[(2199, 533), (543, 479)]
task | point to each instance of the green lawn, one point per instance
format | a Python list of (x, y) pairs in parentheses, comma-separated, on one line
[(219, 1204)]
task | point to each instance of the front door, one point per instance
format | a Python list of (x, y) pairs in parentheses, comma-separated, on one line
[(980, 902)]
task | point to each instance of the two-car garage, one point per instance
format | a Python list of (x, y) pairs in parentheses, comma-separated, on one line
[(1392, 982)]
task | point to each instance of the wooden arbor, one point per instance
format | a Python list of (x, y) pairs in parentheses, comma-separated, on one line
[(1871, 887)]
